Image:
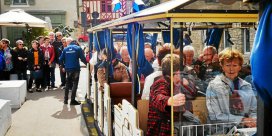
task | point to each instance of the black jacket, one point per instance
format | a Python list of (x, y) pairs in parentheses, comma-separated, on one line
[(30, 59), (19, 65)]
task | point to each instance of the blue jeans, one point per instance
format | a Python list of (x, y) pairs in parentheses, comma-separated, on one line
[(71, 81)]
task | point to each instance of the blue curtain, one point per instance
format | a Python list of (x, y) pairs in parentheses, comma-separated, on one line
[(154, 42), (144, 67), (110, 48), (214, 37), (261, 57), (99, 41), (166, 36)]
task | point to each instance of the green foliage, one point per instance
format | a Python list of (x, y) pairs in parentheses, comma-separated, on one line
[(66, 30), (32, 33)]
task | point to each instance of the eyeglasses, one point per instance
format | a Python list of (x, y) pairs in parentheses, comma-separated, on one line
[(20, 44), (59, 35)]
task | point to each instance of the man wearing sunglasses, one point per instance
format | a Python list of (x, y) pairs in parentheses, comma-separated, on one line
[(58, 47)]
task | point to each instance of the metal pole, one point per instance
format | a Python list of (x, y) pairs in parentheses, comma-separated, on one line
[(171, 76), (181, 47), (88, 81), (134, 69)]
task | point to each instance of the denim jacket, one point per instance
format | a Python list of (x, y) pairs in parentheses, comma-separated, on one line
[(218, 95)]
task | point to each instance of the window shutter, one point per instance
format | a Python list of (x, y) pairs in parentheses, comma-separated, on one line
[(31, 2), (7, 2)]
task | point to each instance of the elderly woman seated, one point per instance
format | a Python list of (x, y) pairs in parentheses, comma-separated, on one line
[(160, 100), (230, 98), (120, 72)]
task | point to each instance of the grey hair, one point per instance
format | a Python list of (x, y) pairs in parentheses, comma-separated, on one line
[(5, 40), (69, 40), (63, 38), (60, 33), (210, 47), (188, 48), (19, 41), (51, 33)]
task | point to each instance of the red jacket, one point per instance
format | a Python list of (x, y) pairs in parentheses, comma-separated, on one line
[(51, 52)]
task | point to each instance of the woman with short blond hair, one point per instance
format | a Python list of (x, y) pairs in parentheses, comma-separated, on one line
[(230, 98)]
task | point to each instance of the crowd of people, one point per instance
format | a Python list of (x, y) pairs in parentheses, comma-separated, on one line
[(213, 75), (229, 98), (45, 55)]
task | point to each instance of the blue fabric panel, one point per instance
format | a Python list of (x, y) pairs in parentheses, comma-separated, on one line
[(261, 57), (154, 42), (109, 45), (215, 37), (144, 67), (99, 41), (166, 37)]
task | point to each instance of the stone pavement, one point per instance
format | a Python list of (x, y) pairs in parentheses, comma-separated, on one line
[(44, 114)]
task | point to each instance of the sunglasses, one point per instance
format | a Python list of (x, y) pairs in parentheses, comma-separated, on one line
[(59, 35)]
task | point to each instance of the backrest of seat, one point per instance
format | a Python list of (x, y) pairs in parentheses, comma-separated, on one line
[(143, 108), (122, 90)]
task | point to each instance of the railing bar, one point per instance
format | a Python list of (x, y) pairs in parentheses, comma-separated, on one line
[(210, 129), (203, 130), (189, 130), (216, 128)]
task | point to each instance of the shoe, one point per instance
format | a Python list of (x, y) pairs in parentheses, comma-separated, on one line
[(30, 91), (38, 90), (65, 102), (74, 103), (61, 85), (47, 88), (53, 86)]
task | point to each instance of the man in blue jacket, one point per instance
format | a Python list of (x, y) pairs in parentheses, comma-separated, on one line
[(70, 57)]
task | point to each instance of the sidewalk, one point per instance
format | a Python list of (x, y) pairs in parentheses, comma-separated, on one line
[(44, 114)]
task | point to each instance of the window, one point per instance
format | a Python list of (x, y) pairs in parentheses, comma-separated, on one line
[(226, 39), (103, 6), (109, 7), (246, 40), (19, 2), (106, 6)]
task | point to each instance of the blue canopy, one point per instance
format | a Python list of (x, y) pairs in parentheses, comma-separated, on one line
[(98, 40), (261, 57)]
